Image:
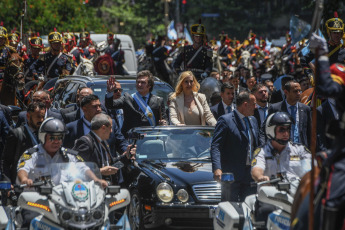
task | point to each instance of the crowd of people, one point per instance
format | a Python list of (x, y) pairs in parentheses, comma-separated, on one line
[(260, 131)]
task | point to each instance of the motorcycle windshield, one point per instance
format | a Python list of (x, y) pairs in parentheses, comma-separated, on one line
[(74, 172)]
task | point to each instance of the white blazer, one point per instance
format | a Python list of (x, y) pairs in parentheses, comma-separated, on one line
[(176, 110)]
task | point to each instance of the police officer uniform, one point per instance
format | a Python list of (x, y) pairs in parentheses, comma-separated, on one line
[(293, 161), (160, 54), (196, 60), (52, 65), (36, 161)]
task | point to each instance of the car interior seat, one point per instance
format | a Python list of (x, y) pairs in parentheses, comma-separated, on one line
[(153, 149)]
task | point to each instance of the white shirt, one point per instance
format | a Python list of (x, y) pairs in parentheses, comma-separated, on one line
[(294, 161)]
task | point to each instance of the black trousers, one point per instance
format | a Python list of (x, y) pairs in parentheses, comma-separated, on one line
[(262, 210), (28, 216)]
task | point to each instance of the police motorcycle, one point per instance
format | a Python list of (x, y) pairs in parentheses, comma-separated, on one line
[(280, 193), (7, 204), (69, 198)]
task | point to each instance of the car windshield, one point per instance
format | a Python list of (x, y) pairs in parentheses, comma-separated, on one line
[(74, 172), (184, 143), (160, 90)]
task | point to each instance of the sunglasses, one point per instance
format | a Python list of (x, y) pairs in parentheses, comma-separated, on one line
[(283, 130), (117, 90), (56, 138)]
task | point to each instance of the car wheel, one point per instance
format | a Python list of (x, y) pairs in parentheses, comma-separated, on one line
[(135, 212)]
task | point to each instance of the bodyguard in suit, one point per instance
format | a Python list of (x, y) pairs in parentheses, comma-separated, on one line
[(22, 138), (74, 112), (4, 129), (43, 97), (260, 92), (234, 140), (94, 147), (141, 108), (235, 81), (227, 93), (91, 106), (300, 131)]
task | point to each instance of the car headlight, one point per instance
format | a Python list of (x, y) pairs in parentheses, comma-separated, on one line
[(182, 195), (164, 192)]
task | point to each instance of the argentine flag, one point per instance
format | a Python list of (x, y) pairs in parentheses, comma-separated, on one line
[(172, 34)]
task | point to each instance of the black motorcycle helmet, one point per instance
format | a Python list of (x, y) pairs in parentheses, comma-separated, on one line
[(52, 126), (274, 120)]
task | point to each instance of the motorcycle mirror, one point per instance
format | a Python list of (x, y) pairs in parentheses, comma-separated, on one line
[(113, 190), (283, 186), (45, 190)]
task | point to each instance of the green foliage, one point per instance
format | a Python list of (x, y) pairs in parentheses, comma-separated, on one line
[(43, 15)]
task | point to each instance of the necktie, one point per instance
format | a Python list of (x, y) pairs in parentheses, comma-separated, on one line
[(249, 138), (264, 109), (228, 108), (294, 130)]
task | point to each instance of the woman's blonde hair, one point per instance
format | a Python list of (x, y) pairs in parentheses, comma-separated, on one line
[(179, 88)]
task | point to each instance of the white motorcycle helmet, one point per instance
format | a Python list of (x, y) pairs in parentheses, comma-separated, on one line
[(274, 120), (52, 126)]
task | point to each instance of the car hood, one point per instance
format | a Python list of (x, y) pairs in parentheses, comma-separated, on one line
[(184, 171)]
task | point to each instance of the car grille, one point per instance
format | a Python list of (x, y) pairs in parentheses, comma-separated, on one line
[(208, 192)]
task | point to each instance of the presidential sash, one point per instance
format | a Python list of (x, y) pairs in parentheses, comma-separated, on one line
[(145, 108)]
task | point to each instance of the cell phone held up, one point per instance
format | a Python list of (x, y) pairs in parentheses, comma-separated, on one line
[(118, 165)]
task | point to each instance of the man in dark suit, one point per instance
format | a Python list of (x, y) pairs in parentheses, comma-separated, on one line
[(234, 140), (260, 92), (22, 138), (227, 93), (141, 108), (91, 106), (93, 147), (73, 112), (43, 97), (326, 113), (300, 131), (117, 114)]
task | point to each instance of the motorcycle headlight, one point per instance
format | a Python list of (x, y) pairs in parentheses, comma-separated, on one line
[(66, 215), (182, 195), (164, 192)]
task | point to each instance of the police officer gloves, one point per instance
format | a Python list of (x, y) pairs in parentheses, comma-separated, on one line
[(318, 42)]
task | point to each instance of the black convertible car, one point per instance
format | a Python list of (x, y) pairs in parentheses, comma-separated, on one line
[(172, 182)]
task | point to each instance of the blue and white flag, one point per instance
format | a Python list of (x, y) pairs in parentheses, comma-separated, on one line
[(172, 34), (299, 29), (187, 36)]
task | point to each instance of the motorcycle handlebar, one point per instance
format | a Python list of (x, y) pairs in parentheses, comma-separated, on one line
[(36, 184), (272, 181)]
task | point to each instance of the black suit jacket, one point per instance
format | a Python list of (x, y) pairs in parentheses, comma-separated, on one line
[(18, 140), (304, 113), (116, 140), (133, 116), (229, 146), (217, 110), (22, 117)]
